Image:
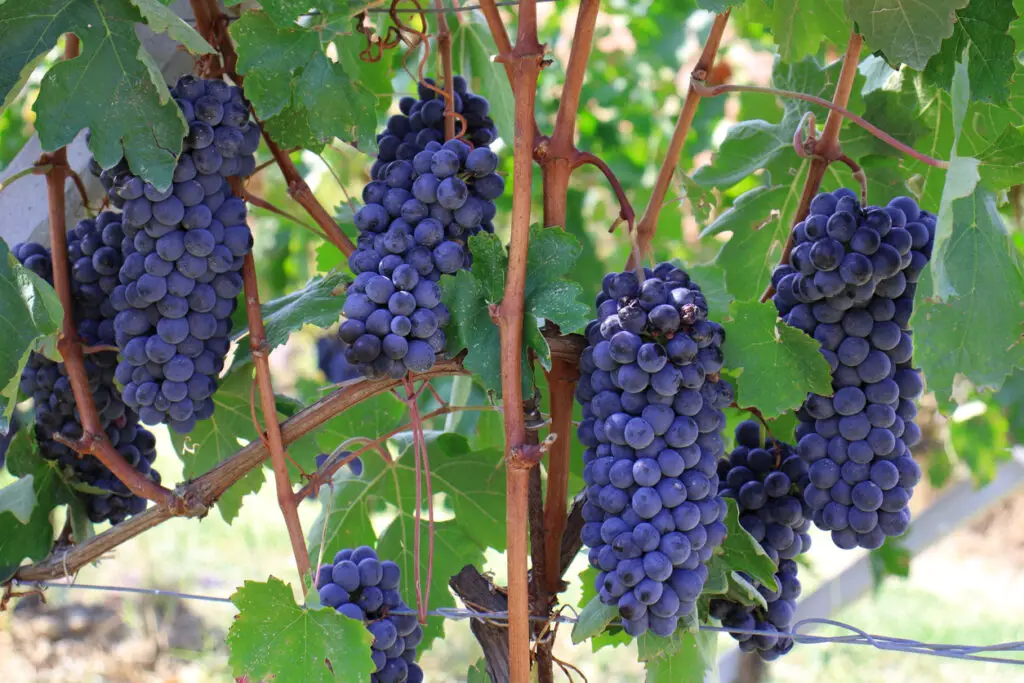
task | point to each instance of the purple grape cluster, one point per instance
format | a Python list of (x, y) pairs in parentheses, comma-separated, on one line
[(183, 248), (850, 283), (414, 228), (364, 588), (766, 478), (422, 122), (652, 420), (93, 254)]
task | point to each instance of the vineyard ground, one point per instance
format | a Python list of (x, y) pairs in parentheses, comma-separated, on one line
[(957, 593)]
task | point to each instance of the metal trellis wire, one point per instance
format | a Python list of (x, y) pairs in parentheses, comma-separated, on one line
[(855, 636)]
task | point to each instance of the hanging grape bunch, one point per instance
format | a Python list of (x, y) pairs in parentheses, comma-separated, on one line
[(94, 257), (767, 480), (412, 229), (652, 419), (422, 122), (183, 250), (850, 283), (363, 588)]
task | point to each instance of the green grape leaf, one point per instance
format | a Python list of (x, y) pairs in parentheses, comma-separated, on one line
[(755, 144), (982, 29), (1011, 398), (776, 365), (329, 257), (478, 673), (979, 439), (799, 26), (472, 50), (717, 5), (33, 538), (274, 637), (711, 279), (593, 619), (892, 559), (19, 498), (473, 486), (740, 552), (907, 31), (30, 315), (976, 334), (688, 663), (112, 88), (306, 98), (222, 435), (757, 220), (162, 20), (961, 180), (319, 303), (548, 295), (1002, 164)]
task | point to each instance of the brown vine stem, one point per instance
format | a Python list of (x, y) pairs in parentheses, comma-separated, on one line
[(444, 48), (504, 45), (826, 148), (525, 63), (94, 439), (260, 353), (648, 225), (264, 204), (210, 486)]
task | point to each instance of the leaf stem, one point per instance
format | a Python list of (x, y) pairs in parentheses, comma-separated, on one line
[(648, 225)]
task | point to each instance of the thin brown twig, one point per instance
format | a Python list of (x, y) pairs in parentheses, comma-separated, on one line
[(35, 169), (258, 201), (626, 212), (258, 344), (648, 225), (81, 191), (842, 111)]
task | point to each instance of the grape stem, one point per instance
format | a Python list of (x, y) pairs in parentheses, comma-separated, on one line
[(648, 225), (444, 48), (94, 440), (267, 206), (275, 442), (826, 148)]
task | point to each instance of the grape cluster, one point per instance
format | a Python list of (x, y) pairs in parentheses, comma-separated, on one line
[(362, 587), (183, 248), (412, 229), (93, 249), (767, 480), (850, 284), (422, 122), (652, 420)]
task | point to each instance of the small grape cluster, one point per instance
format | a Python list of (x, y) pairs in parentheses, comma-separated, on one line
[(767, 480), (183, 248), (850, 283), (412, 229), (363, 588), (93, 253), (422, 122), (652, 419)]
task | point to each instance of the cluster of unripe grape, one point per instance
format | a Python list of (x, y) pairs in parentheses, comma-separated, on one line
[(652, 405)]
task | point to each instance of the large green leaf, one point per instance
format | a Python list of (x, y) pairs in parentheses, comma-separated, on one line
[(977, 333), (163, 20), (113, 88), (799, 26), (473, 486), (272, 637), (19, 498), (688, 663), (908, 31), (593, 619), (982, 29), (306, 98), (776, 365), (548, 295), (30, 314), (319, 303), (979, 439)]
